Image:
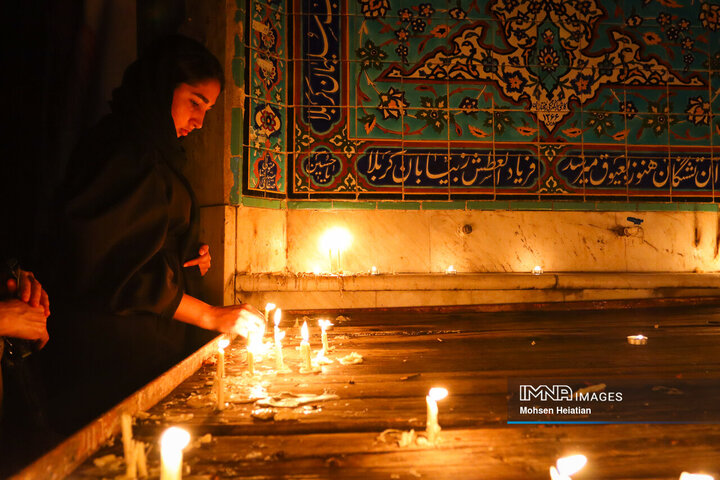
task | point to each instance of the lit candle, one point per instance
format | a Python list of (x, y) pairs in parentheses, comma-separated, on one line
[(254, 341), (450, 270), (537, 270), (268, 308), (128, 447), (567, 466), (695, 476), (305, 347), (279, 363), (432, 425), (172, 443), (220, 374), (637, 339), (324, 324), (373, 270), (222, 345)]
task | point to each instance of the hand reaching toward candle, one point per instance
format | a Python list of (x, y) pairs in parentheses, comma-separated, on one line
[(202, 261), (240, 319)]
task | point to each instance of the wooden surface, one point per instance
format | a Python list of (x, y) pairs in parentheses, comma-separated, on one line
[(472, 355)]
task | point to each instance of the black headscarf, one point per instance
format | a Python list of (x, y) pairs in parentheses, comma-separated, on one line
[(145, 96)]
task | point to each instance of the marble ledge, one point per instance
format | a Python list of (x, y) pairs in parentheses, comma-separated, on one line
[(407, 282)]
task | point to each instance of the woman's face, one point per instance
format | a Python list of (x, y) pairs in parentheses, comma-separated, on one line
[(190, 104)]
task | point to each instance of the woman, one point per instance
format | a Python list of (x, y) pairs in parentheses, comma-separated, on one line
[(129, 255)]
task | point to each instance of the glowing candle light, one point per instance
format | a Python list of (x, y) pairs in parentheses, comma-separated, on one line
[(373, 270), (451, 270), (128, 447), (324, 324), (334, 241), (695, 476), (432, 428), (537, 270), (269, 308), (172, 443), (279, 335), (637, 339), (567, 466), (305, 347)]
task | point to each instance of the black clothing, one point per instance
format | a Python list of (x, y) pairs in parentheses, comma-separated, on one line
[(128, 222)]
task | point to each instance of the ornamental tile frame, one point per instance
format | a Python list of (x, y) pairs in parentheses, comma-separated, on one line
[(424, 100)]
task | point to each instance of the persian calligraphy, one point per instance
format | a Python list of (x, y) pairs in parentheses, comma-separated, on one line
[(436, 168), (322, 166), (321, 73), (651, 171)]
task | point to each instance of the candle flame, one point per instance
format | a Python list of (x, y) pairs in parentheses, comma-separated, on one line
[(278, 316), (570, 465), (695, 476), (336, 239), (223, 344), (437, 393), (373, 270), (324, 324), (450, 269), (174, 439), (537, 270), (305, 332)]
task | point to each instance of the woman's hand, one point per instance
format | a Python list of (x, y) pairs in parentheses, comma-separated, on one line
[(242, 319), (21, 320), (203, 261), (30, 291)]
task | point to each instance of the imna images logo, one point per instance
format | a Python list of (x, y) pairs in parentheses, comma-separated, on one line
[(544, 393)]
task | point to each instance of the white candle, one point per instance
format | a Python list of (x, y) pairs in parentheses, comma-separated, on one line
[(128, 447), (305, 347), (141, 459), (324, 324), (567, 466), (172, 443), (432, 426), (222, 345), (220, 392), (695, 476), (279, 363), (268, 308)]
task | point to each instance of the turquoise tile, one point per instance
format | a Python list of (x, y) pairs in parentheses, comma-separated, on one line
[(398, 205), (489, 205), (353, 205), (263, 203), (657, 207), (697, 207), (309, 205), (530, 205), (577, 206), (443, 205), (615, 207)]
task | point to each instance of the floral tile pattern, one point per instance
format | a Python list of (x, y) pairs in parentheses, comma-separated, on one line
[(426, 98)]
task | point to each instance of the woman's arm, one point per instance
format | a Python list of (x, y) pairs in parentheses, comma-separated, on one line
[(239, 319)]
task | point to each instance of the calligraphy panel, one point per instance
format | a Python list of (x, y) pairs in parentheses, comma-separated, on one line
[(549, 98)]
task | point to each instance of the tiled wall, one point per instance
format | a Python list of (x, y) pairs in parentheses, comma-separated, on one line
[(468, 100)]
